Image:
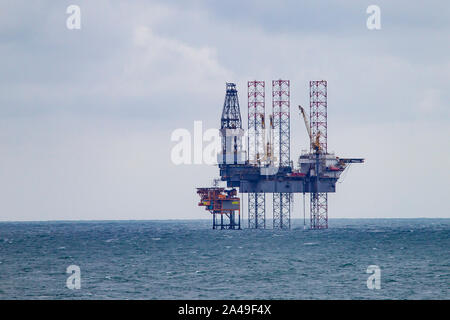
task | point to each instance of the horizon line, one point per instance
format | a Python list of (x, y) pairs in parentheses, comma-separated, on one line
[(205, 219)]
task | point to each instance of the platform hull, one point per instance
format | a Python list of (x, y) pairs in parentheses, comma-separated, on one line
[(249, 180)]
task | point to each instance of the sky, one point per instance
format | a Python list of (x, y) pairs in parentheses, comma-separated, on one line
[(86, 115)]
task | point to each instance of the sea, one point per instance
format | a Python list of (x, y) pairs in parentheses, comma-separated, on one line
[(186, 259)]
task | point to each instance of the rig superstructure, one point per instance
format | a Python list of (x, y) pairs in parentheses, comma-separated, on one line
[(266, 167)]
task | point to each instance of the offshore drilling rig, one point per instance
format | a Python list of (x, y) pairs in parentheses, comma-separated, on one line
[(266, 167)]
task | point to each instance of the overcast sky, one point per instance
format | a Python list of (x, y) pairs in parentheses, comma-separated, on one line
[(86, 115)]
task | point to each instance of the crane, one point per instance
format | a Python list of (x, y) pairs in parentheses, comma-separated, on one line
[(313, 141)]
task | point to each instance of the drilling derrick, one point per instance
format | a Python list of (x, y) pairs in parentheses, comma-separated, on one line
[(281, 148), (231, 128), (256, 150), (318, 147)]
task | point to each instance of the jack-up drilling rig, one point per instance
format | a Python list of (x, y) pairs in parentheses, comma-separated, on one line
[(266, 167)]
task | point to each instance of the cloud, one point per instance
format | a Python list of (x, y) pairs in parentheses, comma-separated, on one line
[(106, 67), (169, 64)]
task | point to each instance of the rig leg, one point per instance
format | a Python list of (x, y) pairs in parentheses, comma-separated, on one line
[(257, 210), (319, 210), (282, 210), (239, 217)]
